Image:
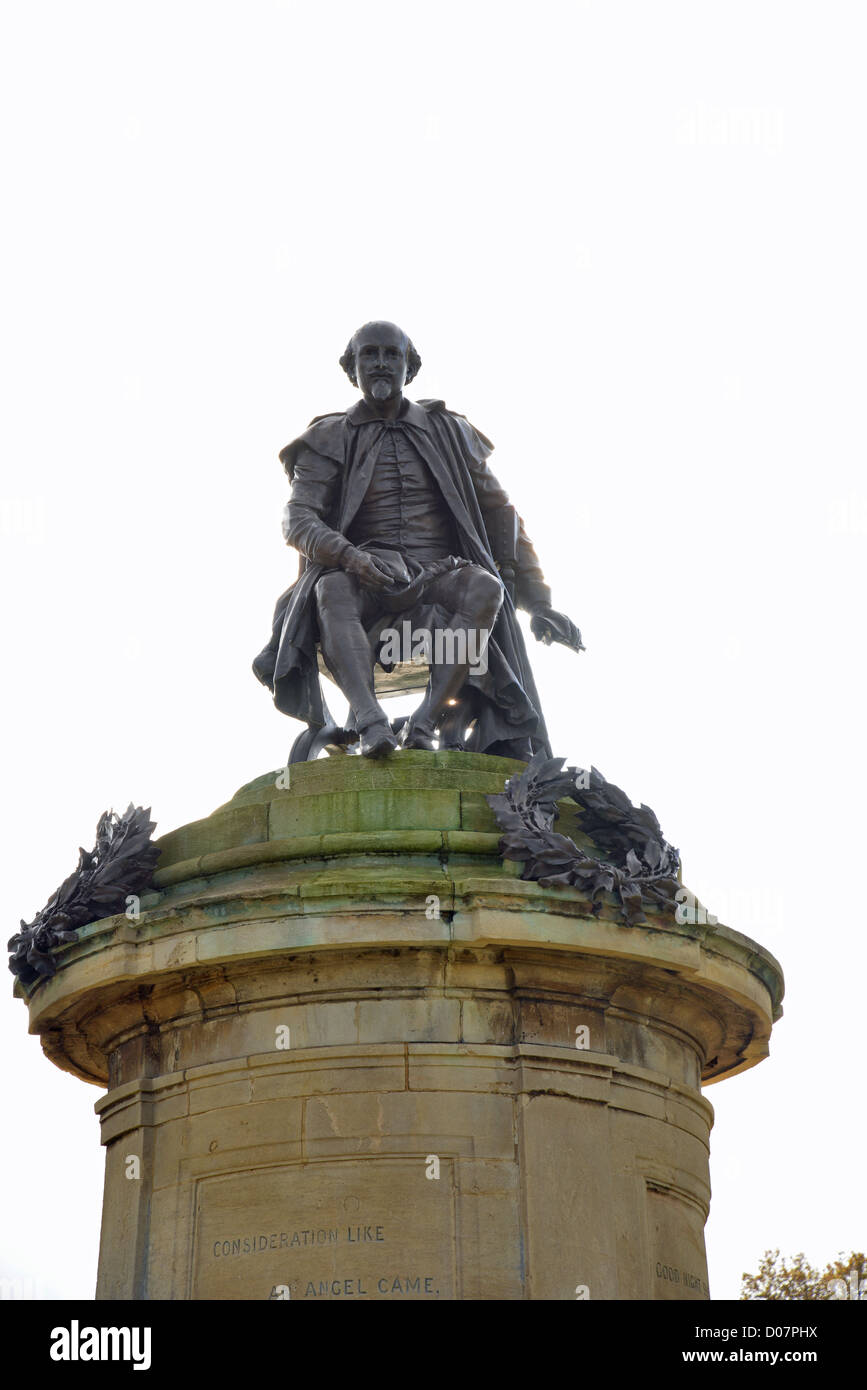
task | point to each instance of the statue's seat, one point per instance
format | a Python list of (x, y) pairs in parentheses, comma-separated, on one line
[(405, 678)]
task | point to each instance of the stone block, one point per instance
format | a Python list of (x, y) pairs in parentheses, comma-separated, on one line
[(409, 1020), (241, 825), (205, 1098), (479, 1125)]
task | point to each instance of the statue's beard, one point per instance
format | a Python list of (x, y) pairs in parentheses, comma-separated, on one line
[(381, 389)]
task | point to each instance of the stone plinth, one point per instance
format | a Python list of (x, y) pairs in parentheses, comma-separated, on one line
[(356, 1056)]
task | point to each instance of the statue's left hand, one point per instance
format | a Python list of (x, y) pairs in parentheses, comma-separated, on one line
[(547, 625)]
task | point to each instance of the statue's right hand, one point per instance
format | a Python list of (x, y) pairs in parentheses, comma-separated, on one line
[(370, 572)]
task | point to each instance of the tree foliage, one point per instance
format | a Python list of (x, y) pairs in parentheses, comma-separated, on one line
[(793, 1278)]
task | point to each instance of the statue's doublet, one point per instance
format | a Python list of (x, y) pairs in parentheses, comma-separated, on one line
[(403, 508)]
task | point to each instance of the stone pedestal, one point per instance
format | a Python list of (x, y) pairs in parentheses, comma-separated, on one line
[(350, 1054)]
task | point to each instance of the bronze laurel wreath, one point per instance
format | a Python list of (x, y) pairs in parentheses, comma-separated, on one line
[(641, 866), (121, 863)]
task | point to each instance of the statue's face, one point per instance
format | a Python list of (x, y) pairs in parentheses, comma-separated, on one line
[(380, 360)]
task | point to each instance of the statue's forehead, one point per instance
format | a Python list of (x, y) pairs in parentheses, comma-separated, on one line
[(381, 335)]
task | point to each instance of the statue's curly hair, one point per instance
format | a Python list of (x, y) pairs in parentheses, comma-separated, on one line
[(347, 361)]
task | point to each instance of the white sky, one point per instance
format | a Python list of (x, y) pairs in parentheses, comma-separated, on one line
[(628, 241)]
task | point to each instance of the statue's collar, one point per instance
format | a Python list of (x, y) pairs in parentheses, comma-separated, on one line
[(410, 414)]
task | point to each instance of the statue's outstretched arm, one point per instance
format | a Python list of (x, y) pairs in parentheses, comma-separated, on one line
[(511, 546), (517, 556)]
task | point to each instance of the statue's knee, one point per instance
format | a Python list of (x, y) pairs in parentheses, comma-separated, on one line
[(337, 603), (485, 593), (333, 588)]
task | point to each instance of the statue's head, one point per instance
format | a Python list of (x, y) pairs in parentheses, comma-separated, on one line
[(380, 360)]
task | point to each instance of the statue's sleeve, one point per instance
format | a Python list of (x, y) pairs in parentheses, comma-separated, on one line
[(531, 591), (315, 489)]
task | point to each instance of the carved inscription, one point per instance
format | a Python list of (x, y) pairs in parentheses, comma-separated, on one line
[(293, 1240), (692, 1283), (369, 1228), (676, 1229)]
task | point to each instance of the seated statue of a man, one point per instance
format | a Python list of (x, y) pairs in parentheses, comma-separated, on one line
[(402, 526)]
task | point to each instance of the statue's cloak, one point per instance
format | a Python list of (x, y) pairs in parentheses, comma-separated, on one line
[(505, 697)]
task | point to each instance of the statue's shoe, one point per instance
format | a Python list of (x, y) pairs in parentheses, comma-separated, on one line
[(417, 735), (377, 740)]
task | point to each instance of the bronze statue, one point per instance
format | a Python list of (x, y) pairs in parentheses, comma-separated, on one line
[(407, 540)]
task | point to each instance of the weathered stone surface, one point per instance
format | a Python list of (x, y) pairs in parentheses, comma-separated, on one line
[(357, 1057)]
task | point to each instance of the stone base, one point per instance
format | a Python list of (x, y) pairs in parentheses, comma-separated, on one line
[(355, 1056)]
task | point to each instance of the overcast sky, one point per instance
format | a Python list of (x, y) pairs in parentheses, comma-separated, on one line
[(628, 242)]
